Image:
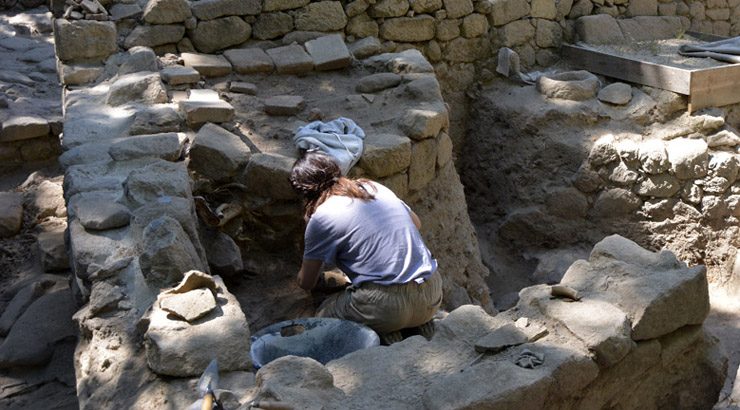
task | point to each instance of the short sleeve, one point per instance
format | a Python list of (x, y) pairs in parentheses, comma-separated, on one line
[(320, 244)]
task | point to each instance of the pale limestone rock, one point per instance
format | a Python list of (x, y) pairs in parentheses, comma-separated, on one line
[(279, 5), (209, 65), (604, 151), (221, 33), (176, 348), (267, 175), (458, 8), (138, 59), (212, 9), (84, 39), (653, 156), (616, 93), (249, 60), (548, 34), (144, 87), (688, 157), (272, 25), (166, 11), (291, 59), (426, 121), (408, 29), (545, 9), (216, 153), (23, 128), (506, 11), (365, 47), (377, 82), (321, 16), (474, 25), (157, 179), (516, 33), (48, 199), (659, 186), (423, 161), (570, 85), (167, 146), (284, 105), (167, 253), (153, 36), (189, 306), (657, 291), (329, 52), (176, 75), (385, 154), (599, 29), (388, 8)]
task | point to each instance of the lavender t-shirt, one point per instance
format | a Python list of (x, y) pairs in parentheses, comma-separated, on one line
[(370, 241)]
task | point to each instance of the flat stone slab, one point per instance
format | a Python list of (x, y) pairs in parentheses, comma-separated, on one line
[(23, 128), (11, 213), (209, 65), (243, 88), (329, 52), (176, 75), (501, 338), (98, 214), (191, 305), (203, 95), (199, 112), (167, 146), (284, 105), (250, 60), (378, 82), (291, 59)]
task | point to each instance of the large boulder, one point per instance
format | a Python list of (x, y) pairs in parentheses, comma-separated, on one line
[(657, 291), (142, 87), (84, 39), (175, 347), (166, 11), (321, 16), (155, 180), (167, 253), (216, 153)]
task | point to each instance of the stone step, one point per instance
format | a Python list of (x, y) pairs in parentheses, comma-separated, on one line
[(209, 65)]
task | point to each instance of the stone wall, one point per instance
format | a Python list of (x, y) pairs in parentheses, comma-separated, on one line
[(26, 139)]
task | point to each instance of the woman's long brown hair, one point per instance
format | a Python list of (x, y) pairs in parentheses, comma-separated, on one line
[(316, 177)]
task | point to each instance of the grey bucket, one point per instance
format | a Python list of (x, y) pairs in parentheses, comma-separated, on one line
[(322, 339)]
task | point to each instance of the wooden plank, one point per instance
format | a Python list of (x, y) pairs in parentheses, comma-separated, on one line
[(714, 87), (705, 36), (635, 71)]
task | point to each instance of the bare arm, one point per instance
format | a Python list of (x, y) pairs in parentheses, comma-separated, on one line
[(415, 218), (309, 273)]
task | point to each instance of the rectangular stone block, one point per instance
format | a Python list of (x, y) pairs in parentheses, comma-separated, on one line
[(249, 60), (83, 39), (176, 75), (23, 128), (408, 29), (199, 112), (267, 175), (329, 52), (209, 65), (291, 59), (423, 163), (425, 122), (386, 154)]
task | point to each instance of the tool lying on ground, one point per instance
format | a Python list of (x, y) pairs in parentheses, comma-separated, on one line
[(207, 385)]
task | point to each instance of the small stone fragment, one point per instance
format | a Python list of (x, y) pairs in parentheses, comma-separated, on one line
[(53, 251), (378, 82), (98, 214), (243, 88), (501, 338), (193, 280), (190, 305), (284, 105), (616, 93)]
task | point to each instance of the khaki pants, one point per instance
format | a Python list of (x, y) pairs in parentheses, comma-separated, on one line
[(386, 308)]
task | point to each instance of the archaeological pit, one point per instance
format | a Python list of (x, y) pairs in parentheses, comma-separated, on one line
[(584, 214)]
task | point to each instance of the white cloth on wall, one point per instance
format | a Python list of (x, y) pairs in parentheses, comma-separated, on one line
[(340, 138)]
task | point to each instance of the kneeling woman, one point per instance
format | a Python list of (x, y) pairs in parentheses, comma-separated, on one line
[(373, 237)]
